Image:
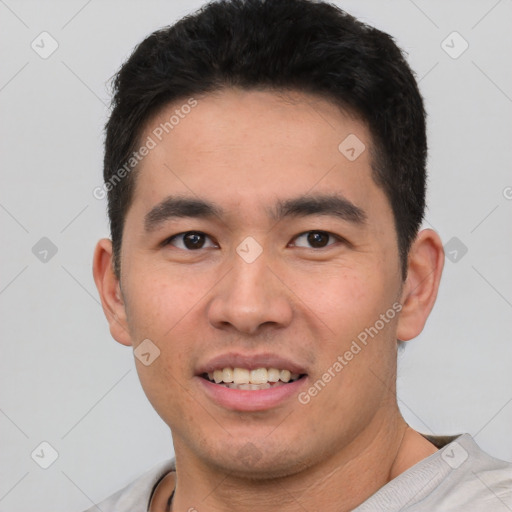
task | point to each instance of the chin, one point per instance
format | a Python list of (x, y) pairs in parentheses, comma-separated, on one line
[(251, 463)]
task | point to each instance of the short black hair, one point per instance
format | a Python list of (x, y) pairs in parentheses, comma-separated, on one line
[(296, 45)]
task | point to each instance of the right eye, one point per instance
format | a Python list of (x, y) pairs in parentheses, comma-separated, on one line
[(190, 240)]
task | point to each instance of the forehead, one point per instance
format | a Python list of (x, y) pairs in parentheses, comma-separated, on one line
[(239, 147)]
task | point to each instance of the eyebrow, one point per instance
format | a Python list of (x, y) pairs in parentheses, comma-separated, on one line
[(176, 207), (333, 205)]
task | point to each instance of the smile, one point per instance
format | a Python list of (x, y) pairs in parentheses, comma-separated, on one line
[(251, 380), (248, 382)]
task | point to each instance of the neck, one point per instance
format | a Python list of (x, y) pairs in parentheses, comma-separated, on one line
[(341, 482)]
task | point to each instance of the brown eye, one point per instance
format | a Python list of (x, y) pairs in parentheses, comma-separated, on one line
[(315, 239), (191, 240), (318, 238)]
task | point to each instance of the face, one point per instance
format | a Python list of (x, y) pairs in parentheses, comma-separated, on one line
[(254, 242)]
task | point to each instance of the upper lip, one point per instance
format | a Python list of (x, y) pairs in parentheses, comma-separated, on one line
[(251, 362)]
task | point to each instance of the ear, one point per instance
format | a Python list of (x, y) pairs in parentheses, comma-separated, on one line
[(110, 291), (425, 266)]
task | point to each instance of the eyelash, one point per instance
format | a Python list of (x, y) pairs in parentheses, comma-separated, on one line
[(337, 238)]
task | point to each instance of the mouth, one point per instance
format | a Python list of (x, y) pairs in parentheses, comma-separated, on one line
[(251, 380)]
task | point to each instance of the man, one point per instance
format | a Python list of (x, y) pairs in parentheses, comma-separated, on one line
[(265, 170)]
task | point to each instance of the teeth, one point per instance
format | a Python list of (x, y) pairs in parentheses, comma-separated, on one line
[(252, 387), (284, 375), (273, 375), (227, 374), (260, 378), (240, 376)]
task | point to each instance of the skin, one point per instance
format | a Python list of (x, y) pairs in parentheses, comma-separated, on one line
[(243, 150)]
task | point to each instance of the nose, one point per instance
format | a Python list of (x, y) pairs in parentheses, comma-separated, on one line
[(250, 298)]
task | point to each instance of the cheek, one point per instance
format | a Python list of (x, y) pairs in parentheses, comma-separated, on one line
[(344, 299), (162, 307), (347, 309), (164, 316), (158, 301)]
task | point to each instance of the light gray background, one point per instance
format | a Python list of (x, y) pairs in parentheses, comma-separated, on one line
[(66, 382)]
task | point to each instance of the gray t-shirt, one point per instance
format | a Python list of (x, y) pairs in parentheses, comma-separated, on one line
[(458, 477)]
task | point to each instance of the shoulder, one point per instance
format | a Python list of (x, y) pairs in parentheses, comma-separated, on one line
[(135, 496), (459, 476), (474, 477)]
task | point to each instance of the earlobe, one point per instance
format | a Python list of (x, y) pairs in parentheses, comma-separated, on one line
[(110, 292), (425, 266)]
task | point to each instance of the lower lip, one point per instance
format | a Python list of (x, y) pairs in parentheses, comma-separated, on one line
[(251, 400)]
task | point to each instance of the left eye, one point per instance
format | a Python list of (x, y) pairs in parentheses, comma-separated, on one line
[(315, 239), (191, 240)]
